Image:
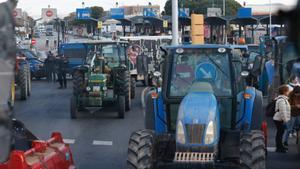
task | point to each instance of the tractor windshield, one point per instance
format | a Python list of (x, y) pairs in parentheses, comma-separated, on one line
[(289, 58), (192, 68), (114, 54)]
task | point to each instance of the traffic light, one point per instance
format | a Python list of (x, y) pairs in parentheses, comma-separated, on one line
[(197, 29)]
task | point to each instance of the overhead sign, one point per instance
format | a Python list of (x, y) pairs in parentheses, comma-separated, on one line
[(214, 12), (100, 24), (149, 12), (17, 13), (83, 13), (49, 14), (245, 13), (117, 13), (184, 12), (165, 24)]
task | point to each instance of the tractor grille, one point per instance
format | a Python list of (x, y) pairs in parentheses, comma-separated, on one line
[(195, 133)]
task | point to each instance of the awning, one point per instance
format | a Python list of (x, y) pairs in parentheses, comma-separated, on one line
[(244, 21), (215, 21), (275, 20)]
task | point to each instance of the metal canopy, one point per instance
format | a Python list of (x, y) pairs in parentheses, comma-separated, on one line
[(124, 22), (244, 21), (215, 21), (275, 20)]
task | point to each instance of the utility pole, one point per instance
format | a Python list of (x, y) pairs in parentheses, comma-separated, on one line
[(224, 8), (270, 33), (175, 36)]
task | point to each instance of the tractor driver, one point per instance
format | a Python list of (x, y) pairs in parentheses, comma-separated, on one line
[(184, 76)]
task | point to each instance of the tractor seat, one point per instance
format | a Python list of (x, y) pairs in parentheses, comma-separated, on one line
[(201, 87)]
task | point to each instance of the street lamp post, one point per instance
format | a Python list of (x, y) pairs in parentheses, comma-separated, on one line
[(270, 28), (175, 22)]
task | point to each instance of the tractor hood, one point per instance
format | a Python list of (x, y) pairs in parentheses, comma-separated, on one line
[(198, 116)]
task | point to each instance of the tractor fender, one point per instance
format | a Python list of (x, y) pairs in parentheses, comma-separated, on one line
[(251, 109), (199, 108)]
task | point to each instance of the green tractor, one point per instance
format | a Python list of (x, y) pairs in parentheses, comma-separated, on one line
[(102, 78)]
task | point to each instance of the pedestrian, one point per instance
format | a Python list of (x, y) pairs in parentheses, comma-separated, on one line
[(47, 43), (293, 82), (62, 64), (294, 99), (55, 44), (282, 116), (50, 67)]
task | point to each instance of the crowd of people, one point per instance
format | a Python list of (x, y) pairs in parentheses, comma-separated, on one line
[(287, 114), (56, 68)]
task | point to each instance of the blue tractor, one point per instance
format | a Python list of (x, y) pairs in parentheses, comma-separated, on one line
[(75, 52), (206, 114)]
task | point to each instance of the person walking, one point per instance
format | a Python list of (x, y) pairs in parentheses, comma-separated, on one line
[(50, 67), (294, 99), (62, 71), (282, 116)]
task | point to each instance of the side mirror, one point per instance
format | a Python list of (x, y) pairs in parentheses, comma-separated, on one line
[(157, 74), (245, 73)]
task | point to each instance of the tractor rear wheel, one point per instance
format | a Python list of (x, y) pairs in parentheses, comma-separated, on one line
[(252, 150), (121, 106), (28, 81), (141, 150), (132, 88), (74, 109), (78, 83), (122, 86), (23, 83)]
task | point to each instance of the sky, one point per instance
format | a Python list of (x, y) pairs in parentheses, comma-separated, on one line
[(33, 7)]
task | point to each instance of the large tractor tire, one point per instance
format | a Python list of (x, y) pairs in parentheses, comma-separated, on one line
[(78, 83), (73, 108), (23, 83), (132, 88), (122, 86), (149, 111), (141, 150), (121, 106), (28, 80), (252, 150)]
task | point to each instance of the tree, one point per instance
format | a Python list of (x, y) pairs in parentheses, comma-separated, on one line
[(200, 6), (97, 12)]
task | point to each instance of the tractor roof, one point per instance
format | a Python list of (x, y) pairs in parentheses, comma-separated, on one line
[(97, 42), (190, 46)]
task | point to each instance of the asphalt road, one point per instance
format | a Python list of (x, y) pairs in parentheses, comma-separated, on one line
[(99, 140)]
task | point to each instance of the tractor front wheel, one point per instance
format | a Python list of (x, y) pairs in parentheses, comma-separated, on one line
[(133, 87), (252, 150), (74, 109), (23, 83), (141, 150), (121, 106)]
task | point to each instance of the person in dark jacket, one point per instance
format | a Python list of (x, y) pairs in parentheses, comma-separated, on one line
[(62, 66), (50, 67)]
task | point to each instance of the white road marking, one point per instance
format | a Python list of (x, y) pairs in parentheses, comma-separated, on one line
[(271, 149), (69, 141), (102, 143)]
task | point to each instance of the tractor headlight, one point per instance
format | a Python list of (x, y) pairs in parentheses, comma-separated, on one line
[(180, 133), (210, 134), (88, 88), (104, 88)]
